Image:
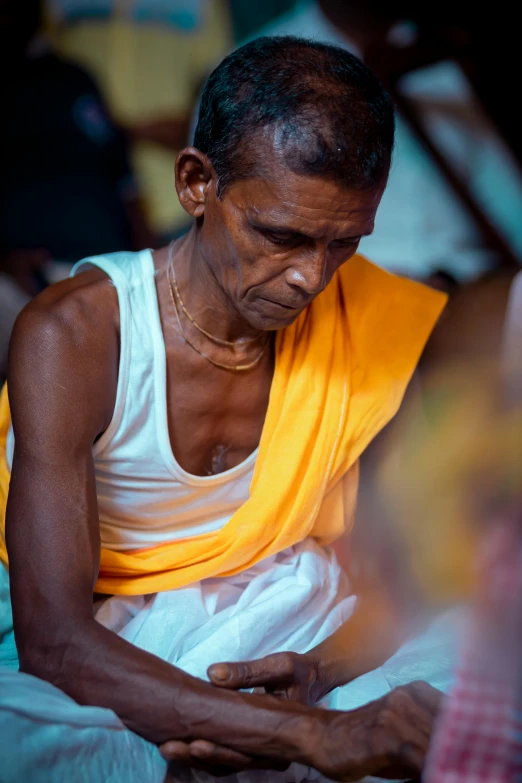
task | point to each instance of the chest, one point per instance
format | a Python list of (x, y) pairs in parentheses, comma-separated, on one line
[(215, 417)]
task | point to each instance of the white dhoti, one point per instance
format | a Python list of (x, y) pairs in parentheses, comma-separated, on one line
[(291, 601)]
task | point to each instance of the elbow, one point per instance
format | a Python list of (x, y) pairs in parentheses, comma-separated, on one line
[(51, 656), (45, 661)]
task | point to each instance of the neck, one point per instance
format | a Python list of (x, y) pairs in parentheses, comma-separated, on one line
[(204, 294)]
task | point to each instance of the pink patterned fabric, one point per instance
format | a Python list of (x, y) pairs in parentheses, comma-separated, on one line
[(479, 734)]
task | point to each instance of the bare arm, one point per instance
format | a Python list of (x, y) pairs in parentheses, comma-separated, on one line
[(62, 387)]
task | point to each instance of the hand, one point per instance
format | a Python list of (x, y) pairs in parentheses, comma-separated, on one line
[(213, 758), (388, 737), (286, 675), (208, 756)]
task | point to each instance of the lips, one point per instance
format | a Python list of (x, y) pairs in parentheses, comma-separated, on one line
[(280, 304)]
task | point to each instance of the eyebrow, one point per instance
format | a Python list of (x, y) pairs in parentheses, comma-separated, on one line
[(282, 231)]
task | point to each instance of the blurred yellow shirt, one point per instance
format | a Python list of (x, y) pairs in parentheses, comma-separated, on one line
[(149, 70)]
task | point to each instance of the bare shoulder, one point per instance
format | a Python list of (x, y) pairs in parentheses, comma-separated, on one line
[(64, 352), (79, 300)]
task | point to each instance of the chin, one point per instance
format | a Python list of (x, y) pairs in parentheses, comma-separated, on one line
[(267, 323)]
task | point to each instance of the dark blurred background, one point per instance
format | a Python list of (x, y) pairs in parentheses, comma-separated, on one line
[(99, 95)]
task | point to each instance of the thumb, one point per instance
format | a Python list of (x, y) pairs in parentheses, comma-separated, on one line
[(269, 671)]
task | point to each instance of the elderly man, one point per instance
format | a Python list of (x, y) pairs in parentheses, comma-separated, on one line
[(186, 430)]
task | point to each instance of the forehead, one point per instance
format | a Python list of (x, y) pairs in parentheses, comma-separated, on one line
[(311, 205)]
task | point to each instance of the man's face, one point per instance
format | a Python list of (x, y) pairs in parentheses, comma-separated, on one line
[(274, 242)]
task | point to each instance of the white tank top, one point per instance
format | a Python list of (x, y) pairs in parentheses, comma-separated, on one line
[(145, 498)]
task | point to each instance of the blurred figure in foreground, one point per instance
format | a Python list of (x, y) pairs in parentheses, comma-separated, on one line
[(67, 190), (479, 731), (457, 504), (458, 446)]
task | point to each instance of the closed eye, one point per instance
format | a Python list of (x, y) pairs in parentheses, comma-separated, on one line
[(349, 242), (279, 237), (294, 238)]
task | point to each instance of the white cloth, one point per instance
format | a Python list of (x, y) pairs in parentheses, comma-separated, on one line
[(291, 601), (145, 497), (420, 224)]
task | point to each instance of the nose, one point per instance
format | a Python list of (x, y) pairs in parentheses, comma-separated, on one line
[(309, 273)]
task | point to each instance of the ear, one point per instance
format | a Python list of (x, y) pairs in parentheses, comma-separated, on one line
[(194, 176)]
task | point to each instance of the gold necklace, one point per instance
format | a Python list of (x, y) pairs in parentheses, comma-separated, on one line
[(234, 343), (234, 367)]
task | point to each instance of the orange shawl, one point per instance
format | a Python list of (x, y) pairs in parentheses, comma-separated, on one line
[(340, 374)]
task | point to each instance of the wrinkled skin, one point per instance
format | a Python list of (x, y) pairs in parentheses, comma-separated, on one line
[(387, 738), (286, 675)]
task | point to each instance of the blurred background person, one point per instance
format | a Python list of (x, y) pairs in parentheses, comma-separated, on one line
[(150, 58), (67, 189), (428, 226)]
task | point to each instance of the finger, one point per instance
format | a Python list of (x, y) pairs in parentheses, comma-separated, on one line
[(215, 759), (278, 692), (413, 710), (272, 670), (175, 750), (300, 693), (412, 759), (429, 697), (284, 694), (414, 728), (206, 759), (424, 707), (211, 753)]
